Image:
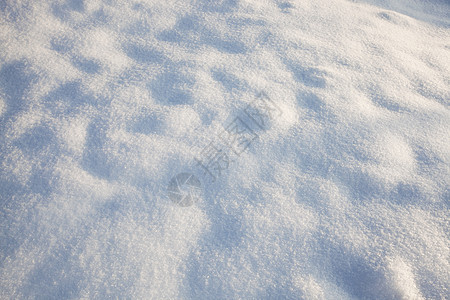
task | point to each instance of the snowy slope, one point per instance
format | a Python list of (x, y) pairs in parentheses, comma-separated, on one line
[(342, 192)]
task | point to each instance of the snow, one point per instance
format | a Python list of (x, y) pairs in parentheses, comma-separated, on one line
[(344, 194)]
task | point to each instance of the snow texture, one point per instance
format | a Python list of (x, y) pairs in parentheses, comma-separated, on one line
[(344, 194)]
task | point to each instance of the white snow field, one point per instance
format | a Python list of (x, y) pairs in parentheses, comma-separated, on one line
[(229, 149)]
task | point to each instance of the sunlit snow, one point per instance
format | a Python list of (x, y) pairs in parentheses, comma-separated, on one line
[(340, 190)]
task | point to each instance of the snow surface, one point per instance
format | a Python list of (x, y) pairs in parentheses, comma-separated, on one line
[(344, 196)]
